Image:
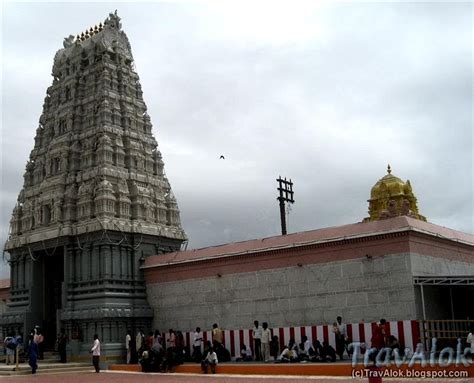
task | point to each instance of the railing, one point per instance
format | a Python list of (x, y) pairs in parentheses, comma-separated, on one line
[(447, 332)]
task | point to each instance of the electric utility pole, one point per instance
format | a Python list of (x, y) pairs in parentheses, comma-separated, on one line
[(286, 195)]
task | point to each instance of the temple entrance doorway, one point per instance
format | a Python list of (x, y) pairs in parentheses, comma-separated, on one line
[(46, 297)]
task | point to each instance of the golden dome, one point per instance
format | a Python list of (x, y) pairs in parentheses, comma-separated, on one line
[(391, 197), (389, 184)]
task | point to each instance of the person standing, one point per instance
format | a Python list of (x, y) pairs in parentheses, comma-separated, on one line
[(179, 347), (140, 343), (128, 339), (157, 340), (197, 343), (339, 330), (149, 341), (32, 354), (257, 340), (265, 342), (39, 340), (95, 351), (19, 344), (339, 340), (62, 344), (378, 335), (171, 341), (470, 341), (217, 336), (10, 346)]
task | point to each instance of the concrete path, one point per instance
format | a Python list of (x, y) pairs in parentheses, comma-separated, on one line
[(126, 377)]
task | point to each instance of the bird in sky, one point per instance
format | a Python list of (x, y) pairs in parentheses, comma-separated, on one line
[(222, 157)]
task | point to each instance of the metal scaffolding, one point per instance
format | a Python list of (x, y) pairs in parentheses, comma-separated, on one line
[(461, 280)]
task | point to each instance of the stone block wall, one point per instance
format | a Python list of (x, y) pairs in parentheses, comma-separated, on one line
[(359, 290), (424, 265)]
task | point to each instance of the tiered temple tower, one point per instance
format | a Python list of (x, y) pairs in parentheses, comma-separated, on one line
[(95, 201)]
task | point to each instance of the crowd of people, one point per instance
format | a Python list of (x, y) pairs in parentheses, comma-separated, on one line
[(267, 347), (158, 352), (16, 349)]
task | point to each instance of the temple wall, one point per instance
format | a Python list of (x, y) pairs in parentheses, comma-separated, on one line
[(359, 290), (425, 265)]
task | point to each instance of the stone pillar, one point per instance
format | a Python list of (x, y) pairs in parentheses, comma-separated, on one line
[(83, 262), (20, 269), (107, 262), (78, 265), (71, 264), (97, 267), (28, 262), (123, 263), (67, 254)]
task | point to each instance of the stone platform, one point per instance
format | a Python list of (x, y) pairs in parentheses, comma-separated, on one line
[(340, 369)]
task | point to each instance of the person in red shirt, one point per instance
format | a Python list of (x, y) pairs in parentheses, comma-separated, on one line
[(379, 335)]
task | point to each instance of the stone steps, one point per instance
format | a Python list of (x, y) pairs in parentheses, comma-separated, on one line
[(45, 368)]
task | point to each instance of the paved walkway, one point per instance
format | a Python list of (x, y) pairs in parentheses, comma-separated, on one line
[(124, 377)]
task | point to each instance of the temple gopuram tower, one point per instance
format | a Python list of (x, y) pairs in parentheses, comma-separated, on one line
[(95, 201)]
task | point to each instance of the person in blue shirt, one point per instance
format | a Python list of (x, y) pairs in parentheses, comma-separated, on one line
[(32, 354)]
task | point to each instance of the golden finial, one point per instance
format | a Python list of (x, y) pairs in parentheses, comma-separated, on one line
[(389, 169)]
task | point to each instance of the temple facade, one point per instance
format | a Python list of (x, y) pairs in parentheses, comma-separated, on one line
[(95, 201)]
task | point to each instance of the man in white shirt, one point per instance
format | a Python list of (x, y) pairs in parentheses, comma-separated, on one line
[(289, 354), (265, 339), (95, 350), (197, 343), (209, 360), (257, 340), (128, 339), (304, 348)]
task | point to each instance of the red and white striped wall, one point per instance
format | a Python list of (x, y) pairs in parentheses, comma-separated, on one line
[(407, 332)]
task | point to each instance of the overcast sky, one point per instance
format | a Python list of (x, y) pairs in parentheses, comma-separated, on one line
[(324, 93)]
